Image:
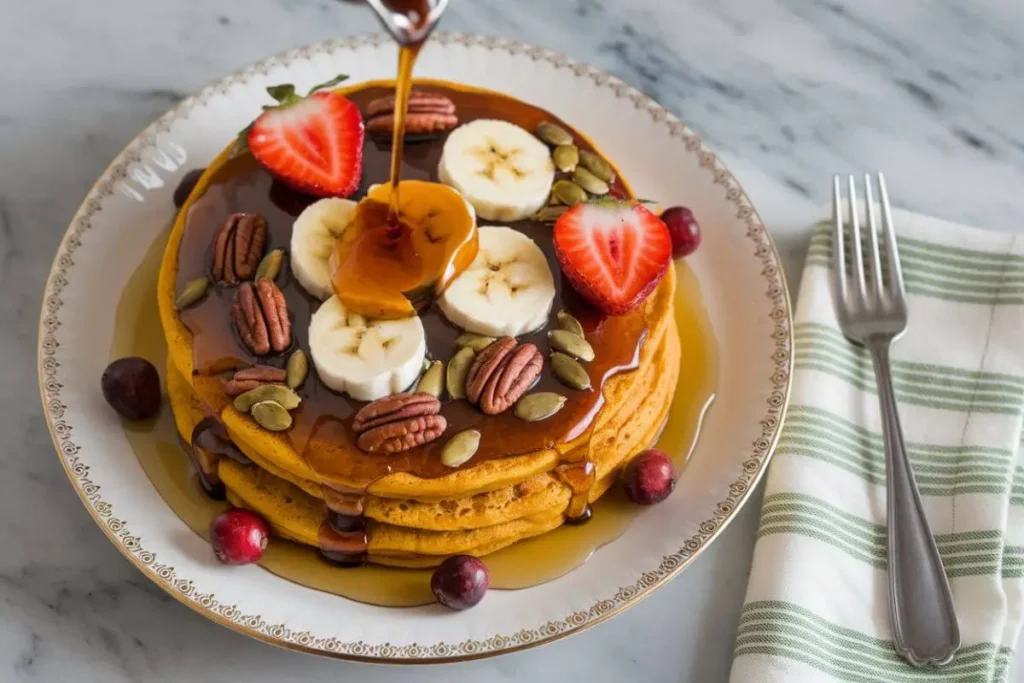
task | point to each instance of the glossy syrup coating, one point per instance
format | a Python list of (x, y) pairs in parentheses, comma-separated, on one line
[(322, 430)]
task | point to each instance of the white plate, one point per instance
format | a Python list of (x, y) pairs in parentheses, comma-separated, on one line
[(737, 266)]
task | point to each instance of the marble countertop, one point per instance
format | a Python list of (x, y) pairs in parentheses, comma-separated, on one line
[(787, 91)]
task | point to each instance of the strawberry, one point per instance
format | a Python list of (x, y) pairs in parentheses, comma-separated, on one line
[(614, 253), (312, 143)]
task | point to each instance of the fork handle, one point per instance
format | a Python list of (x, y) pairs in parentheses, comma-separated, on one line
[(925, 627)]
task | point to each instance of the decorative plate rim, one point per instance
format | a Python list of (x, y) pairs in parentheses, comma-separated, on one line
[(253, 625)]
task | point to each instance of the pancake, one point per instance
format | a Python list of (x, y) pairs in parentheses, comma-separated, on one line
[(637, 424), (417, 516), (396, 536)]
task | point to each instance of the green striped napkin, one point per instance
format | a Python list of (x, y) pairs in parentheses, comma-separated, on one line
[(816, 605)]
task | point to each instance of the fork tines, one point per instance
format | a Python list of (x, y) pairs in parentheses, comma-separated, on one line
[(864, 281)]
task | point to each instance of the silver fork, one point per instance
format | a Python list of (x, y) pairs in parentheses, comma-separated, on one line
[(872, 311)]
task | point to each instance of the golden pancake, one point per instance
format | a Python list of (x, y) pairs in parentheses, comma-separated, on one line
[(414, 511), (632, 431), (296, 515)]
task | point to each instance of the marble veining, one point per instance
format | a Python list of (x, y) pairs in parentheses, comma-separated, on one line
[(787, 91)]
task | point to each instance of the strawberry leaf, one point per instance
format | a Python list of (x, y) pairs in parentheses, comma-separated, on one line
[(328, 84), (282, 93)]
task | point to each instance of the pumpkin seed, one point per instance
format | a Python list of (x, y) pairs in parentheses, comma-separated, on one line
[(596, 164), (477, 342), (193, 291), (460, 448), (569, 372), (432, 381), (550, 214), (539, 406), (458, 367), (572, 344), (567, 192), (270, 266), (271, 416), (553, 134), (297, 369), (569, 323), (566, 157), (278, 393), (589, 182)]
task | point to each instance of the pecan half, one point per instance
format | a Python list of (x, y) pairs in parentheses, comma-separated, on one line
[(397, 423), (484, 365), (518, 373), (261, 317), (501, 374), (428, 113), (275, 309), (419, 101), (415, 124), (253, 378), (396, 407), (238, 247)]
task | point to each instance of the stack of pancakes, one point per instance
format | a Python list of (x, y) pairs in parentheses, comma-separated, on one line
[(416, 522)]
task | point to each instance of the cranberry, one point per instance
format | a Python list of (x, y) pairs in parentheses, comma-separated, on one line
[(239, 536), (460, 582), (185, 187), (132, 388), (649, 478), (683, 228)]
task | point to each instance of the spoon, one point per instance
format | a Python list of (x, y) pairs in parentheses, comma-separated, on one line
[(409, 28)]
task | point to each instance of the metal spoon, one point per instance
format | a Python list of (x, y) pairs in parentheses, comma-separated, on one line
[(409, 30)]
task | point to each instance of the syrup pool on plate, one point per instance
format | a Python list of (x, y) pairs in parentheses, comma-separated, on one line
[(530, 562)]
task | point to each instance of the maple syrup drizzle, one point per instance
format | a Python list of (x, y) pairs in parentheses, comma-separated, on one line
[(210, 442), (403, 87), (416, 12), (342, 536)]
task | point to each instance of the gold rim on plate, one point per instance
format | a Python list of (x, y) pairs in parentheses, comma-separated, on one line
[(253, 625)]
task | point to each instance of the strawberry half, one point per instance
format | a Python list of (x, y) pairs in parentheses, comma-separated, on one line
[(312, 143), (613, 253)]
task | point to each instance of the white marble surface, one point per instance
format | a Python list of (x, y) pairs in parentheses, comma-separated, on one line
[(788, 91)]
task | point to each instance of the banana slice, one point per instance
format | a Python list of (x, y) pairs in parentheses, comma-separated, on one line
[(362, 357), (313, 236), (506, 291), (504, 171)]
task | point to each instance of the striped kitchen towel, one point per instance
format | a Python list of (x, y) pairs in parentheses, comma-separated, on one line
[(816, 605)]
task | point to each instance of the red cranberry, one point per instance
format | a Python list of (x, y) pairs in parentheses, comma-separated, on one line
[(460, 582), (649, 478), (132, 388), (239, 536), (683, 228)]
